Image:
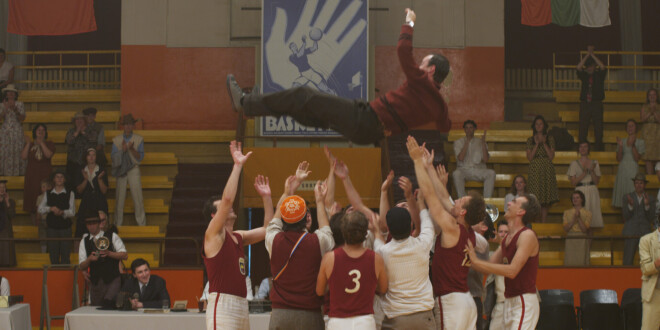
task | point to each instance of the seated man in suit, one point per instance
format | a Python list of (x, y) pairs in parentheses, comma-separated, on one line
[(150, 289)]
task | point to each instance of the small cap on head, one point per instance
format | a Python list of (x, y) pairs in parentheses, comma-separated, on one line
[(92, 219), (293, 209), (640, 177)]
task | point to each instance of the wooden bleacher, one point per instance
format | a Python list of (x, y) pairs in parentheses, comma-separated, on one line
[(37, 260)]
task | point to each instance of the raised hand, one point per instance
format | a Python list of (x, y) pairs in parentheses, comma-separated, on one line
[(388, 181), (619, 142), (410, 15), (428, 157), (341, 170), (290, 185), (414, 150), (328, 155), (261, 185), (483, 138), (320, 190), (337, 39), (101, 175), (406, 185), (237, 153), (85, 175), (442, 174), (646, 199), (630, 200), (302, 171)]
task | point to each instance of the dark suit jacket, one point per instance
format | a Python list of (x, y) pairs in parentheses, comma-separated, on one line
[(637, 221), (154, 294)]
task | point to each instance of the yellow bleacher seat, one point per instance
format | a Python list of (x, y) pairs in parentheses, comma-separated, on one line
[(561, 157), (151, 205), (37, 260), (150, 158), (608, 116), (163, 136), (521, 135), (65, 116), (124, 231), (148, 182)]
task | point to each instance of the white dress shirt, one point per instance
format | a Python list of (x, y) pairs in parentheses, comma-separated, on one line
[(68, 213), (116, 242), (324, 235)]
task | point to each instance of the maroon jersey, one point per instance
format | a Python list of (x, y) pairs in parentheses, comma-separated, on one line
[(525, 282), (226, 270), (417, 101), (451, 265), (352, 284), (296, 287)]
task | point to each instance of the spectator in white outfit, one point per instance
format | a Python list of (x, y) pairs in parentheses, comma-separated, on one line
[(127, 153), (471, 157)]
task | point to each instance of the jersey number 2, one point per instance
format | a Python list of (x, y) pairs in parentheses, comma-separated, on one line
[(356, 279)]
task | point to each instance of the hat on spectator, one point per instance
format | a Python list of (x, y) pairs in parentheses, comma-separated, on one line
[(92, 219), (640, 177), (10, 88), (293, 209), (128, 119), (78, 115), (89, 111)]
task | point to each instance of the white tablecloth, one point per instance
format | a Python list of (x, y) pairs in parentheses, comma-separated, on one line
[(89, 317), (16, 317)]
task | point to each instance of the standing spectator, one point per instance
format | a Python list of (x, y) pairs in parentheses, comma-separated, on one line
[(38, 154), (6, 70), (471, 157), (650, 118), (46, 186), (127, 153), (91, 185), (576, 223), (103, 264), (7, 212), (542, 177), (59, 207), (96, 132), (591, 96), (518, 188), (638, 216), (628, 152), (649, 262), (77, 142), (584, 174), (12, 138)]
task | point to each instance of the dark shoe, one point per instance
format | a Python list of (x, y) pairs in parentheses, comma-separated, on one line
[(235, 93)]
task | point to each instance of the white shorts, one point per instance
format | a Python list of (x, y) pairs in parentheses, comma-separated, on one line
[(497, 317), (226, 311), (366, 322), (521, 312), (455, 311)]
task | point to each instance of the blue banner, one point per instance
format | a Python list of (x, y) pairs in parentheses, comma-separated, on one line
[(321, 44)]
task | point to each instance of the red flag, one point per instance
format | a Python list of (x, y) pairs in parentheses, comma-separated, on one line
[(48, 17), (536, 12)]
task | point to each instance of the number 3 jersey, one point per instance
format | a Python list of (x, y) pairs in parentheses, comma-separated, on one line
[(352, 284)]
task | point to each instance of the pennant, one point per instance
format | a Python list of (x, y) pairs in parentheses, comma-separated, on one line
[(47, 17), (595, 13)]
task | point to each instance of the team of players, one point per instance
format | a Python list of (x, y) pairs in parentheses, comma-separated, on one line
[(373, 282)]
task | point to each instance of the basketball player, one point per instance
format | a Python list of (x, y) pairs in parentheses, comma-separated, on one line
[(450, 265), (517, 259)]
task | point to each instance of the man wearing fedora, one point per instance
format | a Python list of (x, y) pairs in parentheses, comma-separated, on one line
[(101, 252), (638, 215), (127, 153)]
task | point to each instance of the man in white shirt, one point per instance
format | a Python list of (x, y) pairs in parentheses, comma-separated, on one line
[(408, 302), (471, 157), (59, 207), (101, 252)]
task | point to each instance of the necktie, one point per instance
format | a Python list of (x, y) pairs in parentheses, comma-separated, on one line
[(144, 288)]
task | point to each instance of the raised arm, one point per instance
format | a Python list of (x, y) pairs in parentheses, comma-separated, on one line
[(341, 171), (406, 185), (261, 185), (320, 190), (527, 246), (330, 181), (214, 236), (385, 198)]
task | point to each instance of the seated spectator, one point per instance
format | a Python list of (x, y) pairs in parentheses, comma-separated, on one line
[(5, 290), (96, 132), (518, 188), (576, 223), (7, 212), (127, 153), (584, 174), (151, 289), (91, 184), (471, 157), (12, 138), (6, 70), (38, 154), (77, 142), (46, 186), (59, 207), (638, 217), (101, 260)]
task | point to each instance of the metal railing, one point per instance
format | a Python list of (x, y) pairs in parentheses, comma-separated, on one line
[(95, 69), (630, 75), (160, 240)]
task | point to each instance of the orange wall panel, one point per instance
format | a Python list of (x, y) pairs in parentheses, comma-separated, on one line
[(182, 88), (477, 88)]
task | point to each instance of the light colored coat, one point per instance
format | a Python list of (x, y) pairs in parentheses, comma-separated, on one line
[(649, 251)]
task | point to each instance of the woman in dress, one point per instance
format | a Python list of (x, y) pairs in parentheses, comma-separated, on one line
[(650, 118), (628, 152), (542, 180), (584, 174), (11, 135), (6, 70), (576, 223), (7, 212), (518, 188), (37, 153), (91, 185)]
